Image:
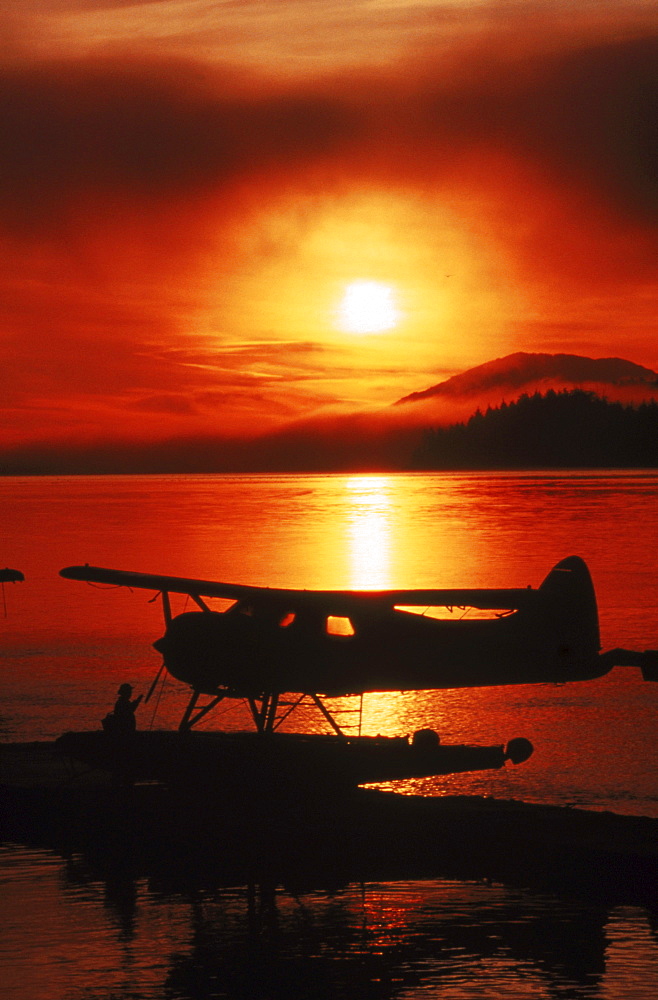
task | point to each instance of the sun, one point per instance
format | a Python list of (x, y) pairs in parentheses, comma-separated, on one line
[(367, 307)]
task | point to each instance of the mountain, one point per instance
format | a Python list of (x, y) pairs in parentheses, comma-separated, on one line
[(402, 435), (507, 378)]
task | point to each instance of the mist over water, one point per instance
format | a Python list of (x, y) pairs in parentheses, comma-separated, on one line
[(66, 647)]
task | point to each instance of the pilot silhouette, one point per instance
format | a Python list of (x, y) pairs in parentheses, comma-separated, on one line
[(124, 710)]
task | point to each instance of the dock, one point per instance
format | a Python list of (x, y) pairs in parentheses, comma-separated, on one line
[(46, 800)]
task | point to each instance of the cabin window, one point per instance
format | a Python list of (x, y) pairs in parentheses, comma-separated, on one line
[(336, 625), (454, 613), (287, 619)]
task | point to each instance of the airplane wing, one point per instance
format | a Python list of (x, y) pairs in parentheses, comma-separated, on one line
[(332, 602)]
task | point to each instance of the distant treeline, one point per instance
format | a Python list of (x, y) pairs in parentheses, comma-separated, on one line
[(567, 429)]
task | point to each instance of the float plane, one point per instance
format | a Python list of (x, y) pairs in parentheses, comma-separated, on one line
[(275, 648)]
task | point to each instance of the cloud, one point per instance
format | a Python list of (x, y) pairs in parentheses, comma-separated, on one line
[(121, 171), (587, 115), (147, 129)]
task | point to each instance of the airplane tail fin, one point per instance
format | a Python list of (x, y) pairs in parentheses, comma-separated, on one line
[(570, 594)]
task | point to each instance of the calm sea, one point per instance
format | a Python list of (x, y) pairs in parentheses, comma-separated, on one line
[(67, 646)]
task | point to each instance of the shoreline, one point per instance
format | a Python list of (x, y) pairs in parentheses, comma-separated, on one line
[(363, 835)]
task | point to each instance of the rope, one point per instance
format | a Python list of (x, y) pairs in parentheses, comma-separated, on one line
[(157, 703)]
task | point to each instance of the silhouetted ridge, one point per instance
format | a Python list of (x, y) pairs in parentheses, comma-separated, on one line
[(519, 371), (568, 429)]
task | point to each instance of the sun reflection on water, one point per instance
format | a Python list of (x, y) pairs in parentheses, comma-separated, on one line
[(370, 531)]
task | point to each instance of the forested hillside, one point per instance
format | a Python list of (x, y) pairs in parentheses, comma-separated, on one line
[(566, 429)]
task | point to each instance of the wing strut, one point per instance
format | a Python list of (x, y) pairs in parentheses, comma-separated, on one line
[(188, 720), (327, 714), (264, 715), (264, 711)]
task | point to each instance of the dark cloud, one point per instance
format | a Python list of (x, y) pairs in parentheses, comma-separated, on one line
[(589, 115), (150, 130), (146, 131)]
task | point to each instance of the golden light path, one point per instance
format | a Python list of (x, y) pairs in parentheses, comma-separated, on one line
[(370, 532), (371, 548)]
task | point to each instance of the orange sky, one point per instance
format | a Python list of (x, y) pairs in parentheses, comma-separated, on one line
[(188, 188)]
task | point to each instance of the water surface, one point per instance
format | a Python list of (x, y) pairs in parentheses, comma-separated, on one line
[(76, 931), (70, 645)]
